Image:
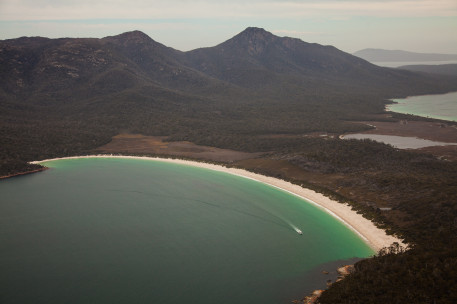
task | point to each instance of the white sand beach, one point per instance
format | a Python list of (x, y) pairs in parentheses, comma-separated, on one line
[(375, 237)]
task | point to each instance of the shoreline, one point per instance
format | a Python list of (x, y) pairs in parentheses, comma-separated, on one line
[(439, 116), (23, 173), (375, 237)]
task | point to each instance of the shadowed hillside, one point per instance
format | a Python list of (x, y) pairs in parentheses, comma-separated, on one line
[(442, 69)]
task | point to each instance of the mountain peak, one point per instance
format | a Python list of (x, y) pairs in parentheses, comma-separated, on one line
[(253, 39), (253, 29), (255, 33), (134, 37)]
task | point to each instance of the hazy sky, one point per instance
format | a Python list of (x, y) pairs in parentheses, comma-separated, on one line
[(350, 25)]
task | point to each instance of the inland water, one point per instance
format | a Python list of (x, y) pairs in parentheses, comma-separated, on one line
[(440, 106), (105, 230)]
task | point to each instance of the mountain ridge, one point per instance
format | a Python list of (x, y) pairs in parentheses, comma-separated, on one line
[(253, 59), (132, 83)]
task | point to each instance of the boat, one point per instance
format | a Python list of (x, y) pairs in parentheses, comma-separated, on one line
[(299, 231)]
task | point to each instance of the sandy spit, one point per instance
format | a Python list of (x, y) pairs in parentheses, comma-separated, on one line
[(375, 237)]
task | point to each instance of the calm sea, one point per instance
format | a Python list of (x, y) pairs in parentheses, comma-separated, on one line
[(440, 106), (396, 64), (141, 231)]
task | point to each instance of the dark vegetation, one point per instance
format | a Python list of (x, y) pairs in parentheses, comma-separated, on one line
[(256, 93), (443, 69), (421, 275), (419, 188)]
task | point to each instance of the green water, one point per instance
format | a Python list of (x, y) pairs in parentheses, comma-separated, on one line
[(441, 106), (139, 231)]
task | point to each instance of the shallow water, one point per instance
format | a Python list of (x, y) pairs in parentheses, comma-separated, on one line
[(141, 231), (440, 106), (400, 142)]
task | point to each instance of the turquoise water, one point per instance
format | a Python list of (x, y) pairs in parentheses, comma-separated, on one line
[(139, 231), (440, 106)]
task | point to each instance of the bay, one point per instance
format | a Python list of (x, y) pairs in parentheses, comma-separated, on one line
[(140, 231), (439, 106)]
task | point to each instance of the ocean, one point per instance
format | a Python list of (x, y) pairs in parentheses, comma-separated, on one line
[(396, 64)]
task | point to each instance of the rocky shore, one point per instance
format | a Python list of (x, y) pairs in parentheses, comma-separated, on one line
[(312, 298)]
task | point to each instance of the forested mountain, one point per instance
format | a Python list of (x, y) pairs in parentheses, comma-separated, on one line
[(255, 83), (83, 68), (443, 69), (76, 69), (256, 58), (255, 92)]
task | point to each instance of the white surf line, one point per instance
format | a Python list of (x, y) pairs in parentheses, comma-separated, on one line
[(294, 194), (375, 237), (313, 203)]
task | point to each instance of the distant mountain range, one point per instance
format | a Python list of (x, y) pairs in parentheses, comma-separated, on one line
[(380, 55)]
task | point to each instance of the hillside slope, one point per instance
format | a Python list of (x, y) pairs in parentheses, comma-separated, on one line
[(256, 58)]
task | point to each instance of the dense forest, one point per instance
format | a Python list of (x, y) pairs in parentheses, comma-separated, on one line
[(254, 93)]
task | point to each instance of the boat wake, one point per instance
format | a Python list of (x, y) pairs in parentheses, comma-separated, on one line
[(284, 222), (297, 230)]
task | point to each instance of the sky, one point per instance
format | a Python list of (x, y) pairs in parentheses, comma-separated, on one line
[(350, 25)]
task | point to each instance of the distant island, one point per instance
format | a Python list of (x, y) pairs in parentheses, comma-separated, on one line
[(380, 55)]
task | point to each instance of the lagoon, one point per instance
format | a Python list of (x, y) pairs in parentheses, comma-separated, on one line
[(140, 231), (400, 142)]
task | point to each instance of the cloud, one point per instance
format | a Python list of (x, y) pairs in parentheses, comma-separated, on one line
[(147, 9)]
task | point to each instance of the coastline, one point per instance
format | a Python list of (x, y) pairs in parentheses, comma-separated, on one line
[(24, 173), (375, 237), (398, 104)]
